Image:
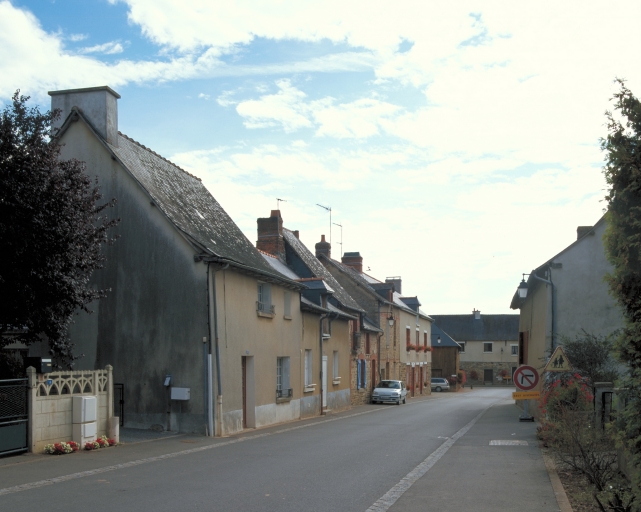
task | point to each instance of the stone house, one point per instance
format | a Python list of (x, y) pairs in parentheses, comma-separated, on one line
[(445, 357), (489, 345), (193, 304), (389, 311), (565, 296)]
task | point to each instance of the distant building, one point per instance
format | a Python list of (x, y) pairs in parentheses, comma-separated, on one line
[(489, 344)]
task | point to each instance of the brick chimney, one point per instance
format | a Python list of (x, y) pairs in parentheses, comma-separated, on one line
[(270, 235), (354, 260), (324, 248), (396, 281), (98, 105)]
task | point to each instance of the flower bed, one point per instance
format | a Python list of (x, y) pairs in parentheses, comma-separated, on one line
[(101, 442), (62, 448)]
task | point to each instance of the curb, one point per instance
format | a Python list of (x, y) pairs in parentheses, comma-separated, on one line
[(557, 486)]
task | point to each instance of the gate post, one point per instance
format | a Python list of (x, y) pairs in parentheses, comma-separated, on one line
[(110, 391), (32, 390)]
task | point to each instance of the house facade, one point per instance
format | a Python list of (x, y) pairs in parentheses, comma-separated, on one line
[(446, 358), (565, 296), (489, 345), (193, 304)]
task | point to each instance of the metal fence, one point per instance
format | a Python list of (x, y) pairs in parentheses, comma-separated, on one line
[(14, 416)]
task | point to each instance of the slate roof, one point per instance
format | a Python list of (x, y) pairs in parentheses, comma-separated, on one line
[(446, 339), (318, 270), (279, 266), (188, 204), (487, 328)]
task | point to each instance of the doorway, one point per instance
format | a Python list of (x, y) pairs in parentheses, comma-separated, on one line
[(488, 376), (249, 393), (324, 382)]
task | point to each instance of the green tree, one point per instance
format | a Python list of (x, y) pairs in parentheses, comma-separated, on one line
[(52, 228), (592, 356), (622, 171)]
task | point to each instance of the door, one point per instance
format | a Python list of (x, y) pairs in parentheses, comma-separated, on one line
[(324, 382), (488, 375), (244, 372), (374, 376)]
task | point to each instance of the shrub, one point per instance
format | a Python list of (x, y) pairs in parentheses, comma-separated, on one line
[(474, 375)]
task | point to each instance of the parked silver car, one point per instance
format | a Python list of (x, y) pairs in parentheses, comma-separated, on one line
[(440, 384), (389, 391)]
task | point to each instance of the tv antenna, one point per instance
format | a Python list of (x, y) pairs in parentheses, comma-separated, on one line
[(329, 209), (341, 242), (278, 201)]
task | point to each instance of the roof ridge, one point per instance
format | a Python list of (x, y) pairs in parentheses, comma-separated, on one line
[(159, 156), (265, 253)]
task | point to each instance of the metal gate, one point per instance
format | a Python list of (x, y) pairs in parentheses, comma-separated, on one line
[(14, 416), (119, 402)]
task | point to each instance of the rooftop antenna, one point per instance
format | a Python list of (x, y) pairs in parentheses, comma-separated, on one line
[(341, 242), (278, 201), (329, 209)]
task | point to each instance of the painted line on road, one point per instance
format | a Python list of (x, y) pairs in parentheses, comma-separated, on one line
[(390, 497), (115, 467)]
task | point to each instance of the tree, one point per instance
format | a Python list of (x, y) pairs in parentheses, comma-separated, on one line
[(622, 240), (592, 356), (52, 228)]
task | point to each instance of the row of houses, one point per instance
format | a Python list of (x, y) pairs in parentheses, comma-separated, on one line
[(258, 334)]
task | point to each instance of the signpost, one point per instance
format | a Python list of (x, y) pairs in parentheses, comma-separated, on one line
[(559, 362), (526, 378)]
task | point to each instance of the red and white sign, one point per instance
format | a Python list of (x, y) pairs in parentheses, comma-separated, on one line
[(526, 378)]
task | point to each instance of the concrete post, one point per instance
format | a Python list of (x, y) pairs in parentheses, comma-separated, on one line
[(599, 404), (32, 383), (110, 391)]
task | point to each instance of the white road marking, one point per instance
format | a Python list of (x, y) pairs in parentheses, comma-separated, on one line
[(508, 443), (390, 497)]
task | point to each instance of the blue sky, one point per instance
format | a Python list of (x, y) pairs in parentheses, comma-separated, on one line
[(458, 145)]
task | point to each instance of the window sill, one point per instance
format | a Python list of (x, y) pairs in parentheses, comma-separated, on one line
[(284, 399), (309, 388), (336, 382), (287, 317), (264, 314)]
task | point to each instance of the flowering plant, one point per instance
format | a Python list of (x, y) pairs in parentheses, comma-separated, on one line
[(61, 448), (571, 394), (101, 442), (410, 346)]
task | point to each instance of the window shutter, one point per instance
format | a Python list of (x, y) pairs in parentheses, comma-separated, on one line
[(364, 373), (306, 368), (286, 373), (358, 374)]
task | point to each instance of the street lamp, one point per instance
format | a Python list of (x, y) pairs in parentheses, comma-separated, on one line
[(390, 321), (522, 289)]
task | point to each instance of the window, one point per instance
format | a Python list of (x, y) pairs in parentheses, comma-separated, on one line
[(308, 368), (462, 345), (335, 373), (264, 303), (367, 346), (418, 337), (425, 338), (407, 336), (287, 307), (514, 350), (361, 379), (487, 347), (283, 390)]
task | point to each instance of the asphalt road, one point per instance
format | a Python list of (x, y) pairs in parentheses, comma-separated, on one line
[(344, 464)]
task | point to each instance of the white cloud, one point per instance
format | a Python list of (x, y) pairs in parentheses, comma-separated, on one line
[(204, 96), (106, 48), (77, 37)]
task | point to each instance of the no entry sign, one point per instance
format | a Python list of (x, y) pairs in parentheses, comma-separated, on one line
[(526, 378)]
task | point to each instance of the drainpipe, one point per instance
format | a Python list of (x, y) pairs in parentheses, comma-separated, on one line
[(213, 317), (553, 307)]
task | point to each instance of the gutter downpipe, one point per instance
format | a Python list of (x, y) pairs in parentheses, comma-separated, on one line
[(553, 308), (211, 288)]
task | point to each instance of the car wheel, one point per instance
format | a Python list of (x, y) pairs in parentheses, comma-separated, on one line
[(404, 400), (438, 389), (399, 402)]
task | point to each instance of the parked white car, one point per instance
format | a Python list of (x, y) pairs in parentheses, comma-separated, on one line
[(389, 391)]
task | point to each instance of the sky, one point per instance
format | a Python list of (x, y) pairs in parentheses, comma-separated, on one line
[(456, 143)]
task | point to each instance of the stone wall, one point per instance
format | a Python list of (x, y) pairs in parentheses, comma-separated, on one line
[(480, 366)]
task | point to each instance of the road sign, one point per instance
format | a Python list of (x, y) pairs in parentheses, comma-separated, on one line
[(526, 395), (526, 378), (559, 362)]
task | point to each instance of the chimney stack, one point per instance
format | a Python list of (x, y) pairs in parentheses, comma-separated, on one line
[(354, 260), (581, 231), (324, 248), (476, 313), (396, 281), (98, 105), (270, 235)]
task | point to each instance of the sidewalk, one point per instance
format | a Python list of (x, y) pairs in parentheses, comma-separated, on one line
[(474, 475)]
